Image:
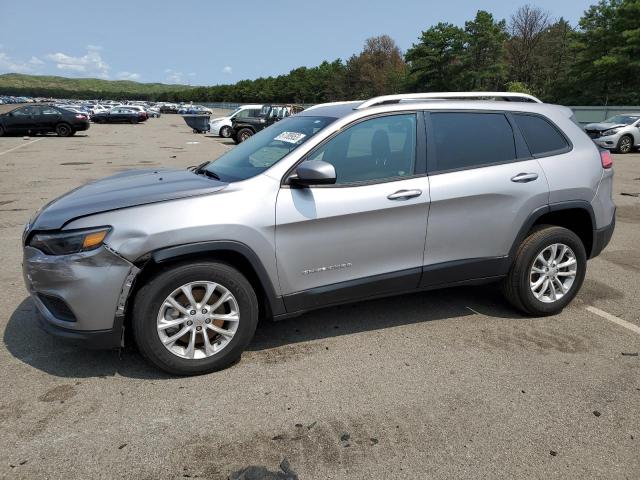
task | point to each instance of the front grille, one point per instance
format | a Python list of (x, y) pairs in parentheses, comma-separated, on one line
[(594, 133), (57, 307)]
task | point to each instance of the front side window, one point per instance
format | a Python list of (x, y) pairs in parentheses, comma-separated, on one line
[(266, 148), (471, 140), (375, 149), (541, 137), (24, 111), (244, 113)]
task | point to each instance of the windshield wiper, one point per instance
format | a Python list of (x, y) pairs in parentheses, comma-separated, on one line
[(208, 173)]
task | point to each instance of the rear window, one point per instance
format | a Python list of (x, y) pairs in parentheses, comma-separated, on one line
[(470, 140), (540, 135)]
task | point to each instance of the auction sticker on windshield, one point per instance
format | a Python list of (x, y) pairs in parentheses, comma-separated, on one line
[(290, 137)]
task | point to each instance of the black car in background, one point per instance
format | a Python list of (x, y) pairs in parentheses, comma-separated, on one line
[(33, 119), (118, 115), (243, 128)]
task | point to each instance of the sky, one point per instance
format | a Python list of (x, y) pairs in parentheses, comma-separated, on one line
[(215, 42)]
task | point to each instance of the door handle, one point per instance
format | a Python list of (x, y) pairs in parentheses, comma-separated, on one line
[(404, 194), (524, 177)]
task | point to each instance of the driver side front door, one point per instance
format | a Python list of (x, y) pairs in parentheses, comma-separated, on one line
[(365, 235)]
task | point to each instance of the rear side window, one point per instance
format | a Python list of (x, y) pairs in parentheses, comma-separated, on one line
[(469, 140), (541, 137)]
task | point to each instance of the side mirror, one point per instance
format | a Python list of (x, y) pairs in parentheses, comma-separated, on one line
[(314, 172)]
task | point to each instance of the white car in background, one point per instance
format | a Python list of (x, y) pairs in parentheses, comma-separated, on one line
[(222, 125)]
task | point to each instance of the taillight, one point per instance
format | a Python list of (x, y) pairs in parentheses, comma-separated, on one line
[(80, 116), (606, 158)]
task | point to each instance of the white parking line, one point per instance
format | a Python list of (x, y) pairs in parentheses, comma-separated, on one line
[(614, 319), (20, 146)]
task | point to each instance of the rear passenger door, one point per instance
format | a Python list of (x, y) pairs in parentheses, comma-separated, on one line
[(47, 117), (484, 184)]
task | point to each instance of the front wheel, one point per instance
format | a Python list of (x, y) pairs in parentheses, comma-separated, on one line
[(195, 318), (547, 271), (225, 132), (625, 144)]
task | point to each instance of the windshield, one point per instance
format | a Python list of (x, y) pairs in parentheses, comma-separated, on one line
[(266, 148), (623, 119)]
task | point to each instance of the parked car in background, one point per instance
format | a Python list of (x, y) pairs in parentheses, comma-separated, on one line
[(75, 109), (620, 132), (153, 112), (142, 112), (222, 125), (98, 109), (118, 115), (169, 108), (33, 119), (243, 128), (194, 110)]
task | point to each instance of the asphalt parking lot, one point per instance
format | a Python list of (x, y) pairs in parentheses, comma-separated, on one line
[(446, 384)]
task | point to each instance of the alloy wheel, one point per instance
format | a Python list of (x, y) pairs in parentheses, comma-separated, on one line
[(553, 272), (625, 145), (198, 320)]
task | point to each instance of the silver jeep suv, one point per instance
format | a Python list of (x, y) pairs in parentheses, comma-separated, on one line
[(342, 202)]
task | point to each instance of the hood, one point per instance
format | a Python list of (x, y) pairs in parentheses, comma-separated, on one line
[(126, 189), (603, 126)]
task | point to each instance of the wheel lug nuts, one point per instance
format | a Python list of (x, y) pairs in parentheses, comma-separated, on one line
[(198, 328), (192, 312), (204, 310), (208, 320), (189, 322)]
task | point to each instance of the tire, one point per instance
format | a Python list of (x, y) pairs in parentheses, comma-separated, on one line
[(225, 132), (73, 132), (625, 144), (244, 135), (133, 121), (517, 286), (63, 130), (150, 307), (1, 130)]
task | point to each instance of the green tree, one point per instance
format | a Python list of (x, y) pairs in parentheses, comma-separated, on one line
[(436, 61), (377, 70), (607, 50), (483, 60)]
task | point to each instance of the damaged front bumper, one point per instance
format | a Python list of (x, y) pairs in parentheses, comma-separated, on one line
[(80, 297)]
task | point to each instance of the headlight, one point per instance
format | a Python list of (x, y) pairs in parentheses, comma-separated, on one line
[(64, 243), (611, 131)]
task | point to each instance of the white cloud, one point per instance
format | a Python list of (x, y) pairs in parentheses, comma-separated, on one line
[(11, 65), (128, 76), (91, 63), (227, 70), (174, 76)]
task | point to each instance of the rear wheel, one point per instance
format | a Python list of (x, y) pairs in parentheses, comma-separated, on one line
[(625, 144), (244, 134), (547, 271), (195, 318), (225, 132), (63, 130), (1, 130)]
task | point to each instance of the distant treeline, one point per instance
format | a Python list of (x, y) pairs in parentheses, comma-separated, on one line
[(595, 63)]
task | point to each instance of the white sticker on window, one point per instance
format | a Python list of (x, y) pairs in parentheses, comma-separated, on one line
[(290, 137)]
